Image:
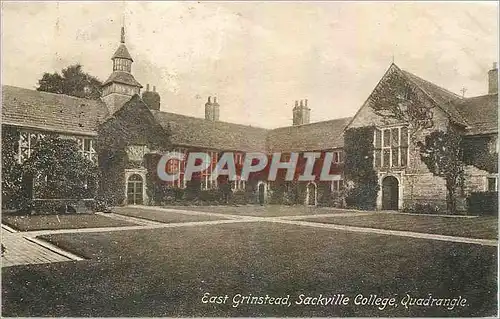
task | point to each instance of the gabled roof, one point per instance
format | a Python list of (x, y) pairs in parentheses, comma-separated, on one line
[(444, 98), (481, 112), (198, 132), (122, 77), (122, 52), (308, 137), (50, 111)]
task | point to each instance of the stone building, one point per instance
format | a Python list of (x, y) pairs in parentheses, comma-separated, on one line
[(403, 177), (124, 130)]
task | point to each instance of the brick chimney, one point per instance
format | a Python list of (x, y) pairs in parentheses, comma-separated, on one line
[(216, 110), (152, 99), (301, 113), (209, 109), (493, 79)]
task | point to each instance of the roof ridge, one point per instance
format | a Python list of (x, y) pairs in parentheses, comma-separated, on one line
[(203, 119), (478, 96), (52, 93), (434, 84), (449, 102), (319, 122)]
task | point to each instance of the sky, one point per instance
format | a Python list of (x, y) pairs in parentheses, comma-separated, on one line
[(256, 57)]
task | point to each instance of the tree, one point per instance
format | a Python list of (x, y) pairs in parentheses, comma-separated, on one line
[(442, 154), (59, 170), (398, 99), (73, 81)]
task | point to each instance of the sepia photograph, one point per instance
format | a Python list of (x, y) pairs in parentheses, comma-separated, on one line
[(249, 159)]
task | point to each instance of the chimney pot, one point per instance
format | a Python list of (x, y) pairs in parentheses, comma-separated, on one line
[(147, 87), (306, 102), (296, 103), (301, 102), (154, 88), (493, 79), (215, 99), (209, 99)]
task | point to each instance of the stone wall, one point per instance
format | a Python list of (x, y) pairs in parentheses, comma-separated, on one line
[(424, 188)]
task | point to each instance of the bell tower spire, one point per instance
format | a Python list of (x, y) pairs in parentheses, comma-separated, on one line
[(121, 84), (122, 38)]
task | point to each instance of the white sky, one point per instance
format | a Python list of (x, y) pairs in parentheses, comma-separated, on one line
[(257, 57)]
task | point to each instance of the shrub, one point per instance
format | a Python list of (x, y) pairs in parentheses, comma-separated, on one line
[(66, 206), (239, 198), (59, 170), (422, 208), (483, 203), (210, 196), (102, 204), (14, 190), (192, 190)]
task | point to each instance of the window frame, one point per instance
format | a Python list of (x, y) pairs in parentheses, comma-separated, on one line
[(337, 186), (495, 179), (402, 149), (338, 157)]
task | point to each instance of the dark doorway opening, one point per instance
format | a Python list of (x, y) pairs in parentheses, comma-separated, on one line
[(390, 193)]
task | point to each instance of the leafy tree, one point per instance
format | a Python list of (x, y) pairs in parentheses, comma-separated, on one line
[(398, 99), (442, 154), (59, 170), (73, 81)]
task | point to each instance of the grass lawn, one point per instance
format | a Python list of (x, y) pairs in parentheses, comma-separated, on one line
[(262, 211), (166, 272), (478, 227), (70, 221), (163, 216)]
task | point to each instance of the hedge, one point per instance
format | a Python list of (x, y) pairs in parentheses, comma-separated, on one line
[(483, 203)]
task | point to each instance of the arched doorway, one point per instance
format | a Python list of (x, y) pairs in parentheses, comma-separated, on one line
[(135, 190), (390, 193), (262, 193), (311, 193)]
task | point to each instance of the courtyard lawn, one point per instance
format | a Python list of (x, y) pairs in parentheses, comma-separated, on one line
[(262, 211), (477, 227), (163, 216), (69, 221), (166, 272)]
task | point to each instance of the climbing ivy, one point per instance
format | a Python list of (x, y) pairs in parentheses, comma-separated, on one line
[(11, 170), (397, 98), (358, 168), (476, 152), (442, 154)]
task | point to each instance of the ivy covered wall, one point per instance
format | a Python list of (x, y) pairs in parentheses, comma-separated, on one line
[(133, 124), (362, 181)]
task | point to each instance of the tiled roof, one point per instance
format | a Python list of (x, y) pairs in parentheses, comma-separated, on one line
[(198, 132), (481, 112), (122, 52), (444, 98), (309, 137), (122, 77), (50, 111)]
